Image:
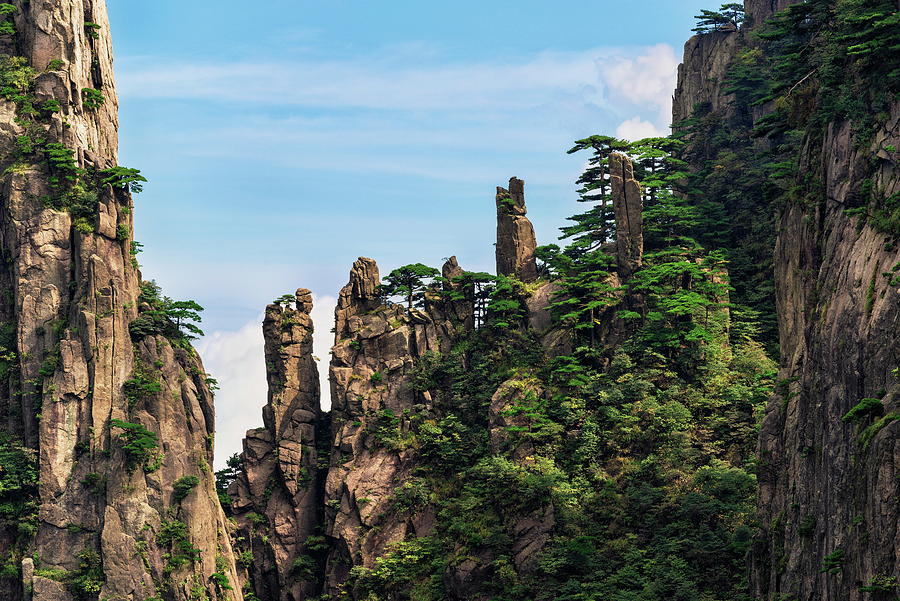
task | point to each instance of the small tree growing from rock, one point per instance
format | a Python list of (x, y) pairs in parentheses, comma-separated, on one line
[(728, 18), (409, 282)]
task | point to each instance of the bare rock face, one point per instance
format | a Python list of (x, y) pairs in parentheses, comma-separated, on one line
[(515, 234), (627, 205), (373, 401), (278, 495), (71, 293), (759, 10), (829, 486), (707, 58)]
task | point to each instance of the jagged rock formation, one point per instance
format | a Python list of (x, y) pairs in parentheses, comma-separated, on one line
[(628, 207), (515, 234), (277, 497), (373, 403), (72, 291), (828, 497)]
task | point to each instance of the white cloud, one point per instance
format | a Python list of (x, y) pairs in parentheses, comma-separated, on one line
[(646, 79), (386, 82), (237, 360), (637, 129)]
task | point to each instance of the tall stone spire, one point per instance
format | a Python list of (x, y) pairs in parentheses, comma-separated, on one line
[(627, 205), (280, 476), (515, 234)]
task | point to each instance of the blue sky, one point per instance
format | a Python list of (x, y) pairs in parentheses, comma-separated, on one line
[(284, 139)]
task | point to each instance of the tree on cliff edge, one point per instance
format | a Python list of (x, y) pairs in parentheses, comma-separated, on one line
[(409, 282), (728, 18)]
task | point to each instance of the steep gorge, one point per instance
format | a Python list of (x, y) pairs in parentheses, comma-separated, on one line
[(584, 424)]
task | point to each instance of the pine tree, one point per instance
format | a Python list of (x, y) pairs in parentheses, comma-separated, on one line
[(596, 226), (728, 18), (409, 282)]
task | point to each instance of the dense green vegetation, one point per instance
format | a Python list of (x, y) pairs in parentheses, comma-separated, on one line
[(642, 453), (18, 502), (159, 314)]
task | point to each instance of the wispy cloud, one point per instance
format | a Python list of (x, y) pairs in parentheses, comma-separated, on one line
[(385, 83), (401, 81)]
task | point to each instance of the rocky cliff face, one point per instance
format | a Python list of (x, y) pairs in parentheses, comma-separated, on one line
[(829, 493), (828, 477), (374, 403), (108, 519), (277, 498)]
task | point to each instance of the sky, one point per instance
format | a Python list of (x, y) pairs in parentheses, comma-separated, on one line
[(283, 140)]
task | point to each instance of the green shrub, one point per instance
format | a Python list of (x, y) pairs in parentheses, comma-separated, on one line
[(833, 563), (245, 558), (183, 487), (411, 494), (87, 580), (219, 579), (93, 99), (92, 29), (869, 433), (880, 584), (140, 387), (7, 27), (138, 442), (304, 567), (173, 535), (95, 482), (124, 178), (807, 526), (257, 519), (865, 408)]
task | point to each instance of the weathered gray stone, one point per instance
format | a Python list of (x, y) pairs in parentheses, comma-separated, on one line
[(628, 207), (515, 234), (280, 473)]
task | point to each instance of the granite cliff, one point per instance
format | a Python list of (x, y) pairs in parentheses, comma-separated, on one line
[(115, 417), (828, 466)]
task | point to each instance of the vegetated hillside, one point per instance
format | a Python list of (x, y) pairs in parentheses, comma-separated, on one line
[(586, 423), (602, 419), (576, 428)]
